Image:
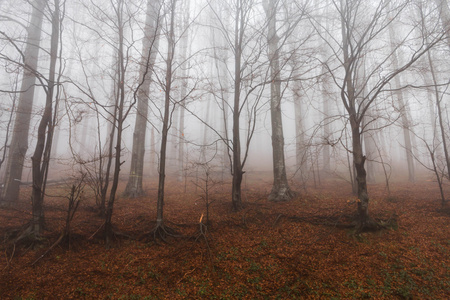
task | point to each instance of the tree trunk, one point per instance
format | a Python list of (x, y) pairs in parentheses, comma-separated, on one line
[(166, 119), (19, 139), (280, 189), (365, 222), (183, 92), (40, 160), (370, 147), (118, 121), (237, 172), (438, 100), (349, 100), (149, 51), (301, 154), (404, 109), (326, 126)]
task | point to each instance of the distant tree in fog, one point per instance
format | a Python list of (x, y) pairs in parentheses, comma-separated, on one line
[(444, 13), (20, 134), (150, 43)]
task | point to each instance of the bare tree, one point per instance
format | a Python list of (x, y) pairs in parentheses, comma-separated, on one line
[(245, 44), (362, 25)]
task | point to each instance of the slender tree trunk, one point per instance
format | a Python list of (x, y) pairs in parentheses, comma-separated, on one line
[(166, 118), (118, 120), (326, 94), (370, 148), (152, 152), (19, 138), (280, 189), (326, 126), (183, 93), (301, 153), (40, 161), (149, 50), (237, 172)]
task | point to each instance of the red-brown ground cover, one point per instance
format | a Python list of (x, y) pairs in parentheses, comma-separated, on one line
[(300, 249)]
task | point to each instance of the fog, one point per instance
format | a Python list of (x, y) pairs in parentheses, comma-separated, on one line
[(394, 55)]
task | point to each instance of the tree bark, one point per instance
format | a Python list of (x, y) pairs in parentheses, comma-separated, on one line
[(19, 138), (349, 100), (301, 157), (280, 189), (149, 51), (237, 172), (359, 160)]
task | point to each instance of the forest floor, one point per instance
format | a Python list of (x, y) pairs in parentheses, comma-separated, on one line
[(302, 249)]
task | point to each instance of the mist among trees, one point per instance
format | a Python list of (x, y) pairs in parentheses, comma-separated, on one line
[(115, 99)]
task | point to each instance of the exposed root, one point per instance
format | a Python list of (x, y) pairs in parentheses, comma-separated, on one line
[(133, 193), (369, 225), (10, 257), (161, 232), (281, 195), (58, 241)]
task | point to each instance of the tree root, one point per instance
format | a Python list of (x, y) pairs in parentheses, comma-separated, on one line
[(58, 241), (133, 193), (369, 225), (281, 195), (160, 232)]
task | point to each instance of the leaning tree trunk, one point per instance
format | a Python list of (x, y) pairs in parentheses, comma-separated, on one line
[(40, 161), (149, 50), (118, 121), (19, 139), (280, 189)]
